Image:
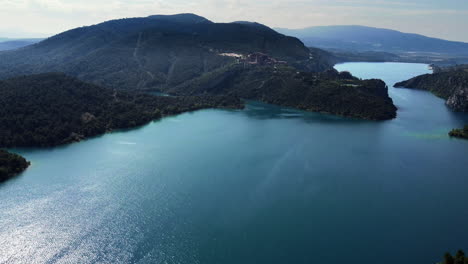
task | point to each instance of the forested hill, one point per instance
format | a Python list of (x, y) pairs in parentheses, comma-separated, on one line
[(329, 91), (449, 83), (153, 52), (52, 109)]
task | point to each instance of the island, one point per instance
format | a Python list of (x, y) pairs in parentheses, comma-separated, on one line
[(460, 133), (11, 165)]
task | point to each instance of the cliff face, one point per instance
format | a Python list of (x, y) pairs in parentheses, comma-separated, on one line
[(458, 101), (451, 85)]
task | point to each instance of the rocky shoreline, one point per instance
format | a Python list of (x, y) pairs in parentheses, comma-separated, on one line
[(451, 85)]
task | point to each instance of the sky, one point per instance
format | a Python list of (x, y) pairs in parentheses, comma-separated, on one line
[(447, 19)]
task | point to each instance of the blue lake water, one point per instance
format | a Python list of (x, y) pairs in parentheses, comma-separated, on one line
[(261, 185)]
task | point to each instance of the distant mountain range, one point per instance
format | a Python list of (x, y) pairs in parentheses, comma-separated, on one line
[(361, 38), (11, 44)]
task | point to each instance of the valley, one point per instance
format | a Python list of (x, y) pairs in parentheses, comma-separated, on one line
[(177, 139)]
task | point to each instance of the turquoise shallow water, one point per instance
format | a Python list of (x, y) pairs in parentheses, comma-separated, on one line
[(262, 185)]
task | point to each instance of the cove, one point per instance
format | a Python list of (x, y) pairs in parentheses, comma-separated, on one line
[(261, 185)]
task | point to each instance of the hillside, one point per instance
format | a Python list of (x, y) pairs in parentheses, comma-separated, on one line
[(11, 165), (16, 43), (361, 38), (448, 84), (53, 109), (330, 91), (152, 52)]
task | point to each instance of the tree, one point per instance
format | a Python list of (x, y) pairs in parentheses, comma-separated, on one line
[(448, 259), (460, 257)]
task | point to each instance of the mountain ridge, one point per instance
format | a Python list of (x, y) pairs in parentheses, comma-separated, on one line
[(363, 38), (11, 44), (151, 52)]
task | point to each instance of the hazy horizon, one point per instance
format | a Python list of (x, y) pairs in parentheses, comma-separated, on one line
[(43, 18)]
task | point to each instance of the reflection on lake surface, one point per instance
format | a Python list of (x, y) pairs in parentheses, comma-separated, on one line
[(261, 185)]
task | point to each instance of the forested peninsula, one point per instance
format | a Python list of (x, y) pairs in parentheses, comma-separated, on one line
[(52, 109), (329, 91), (11, 165)]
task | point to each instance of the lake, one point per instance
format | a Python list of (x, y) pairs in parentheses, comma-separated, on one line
[(261, 185)]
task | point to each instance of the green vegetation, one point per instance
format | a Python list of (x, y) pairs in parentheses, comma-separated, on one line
[(460, 133), (153, 52), (11, 165), (183, 55), (451, 85), (53, 109), (330, 91), (459, 258)]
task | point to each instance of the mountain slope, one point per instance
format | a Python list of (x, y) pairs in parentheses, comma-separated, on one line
[(360, 38), (52, 109), (450, 84), (151, 53)]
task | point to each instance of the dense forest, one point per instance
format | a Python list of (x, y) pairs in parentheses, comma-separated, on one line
[(52, 109), (460, 133), (185, 55), (459, 258), (329, 91), (11, 165), (448, 84), (153, 52)]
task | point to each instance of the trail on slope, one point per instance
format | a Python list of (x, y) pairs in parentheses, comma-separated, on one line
[(140, 65)]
